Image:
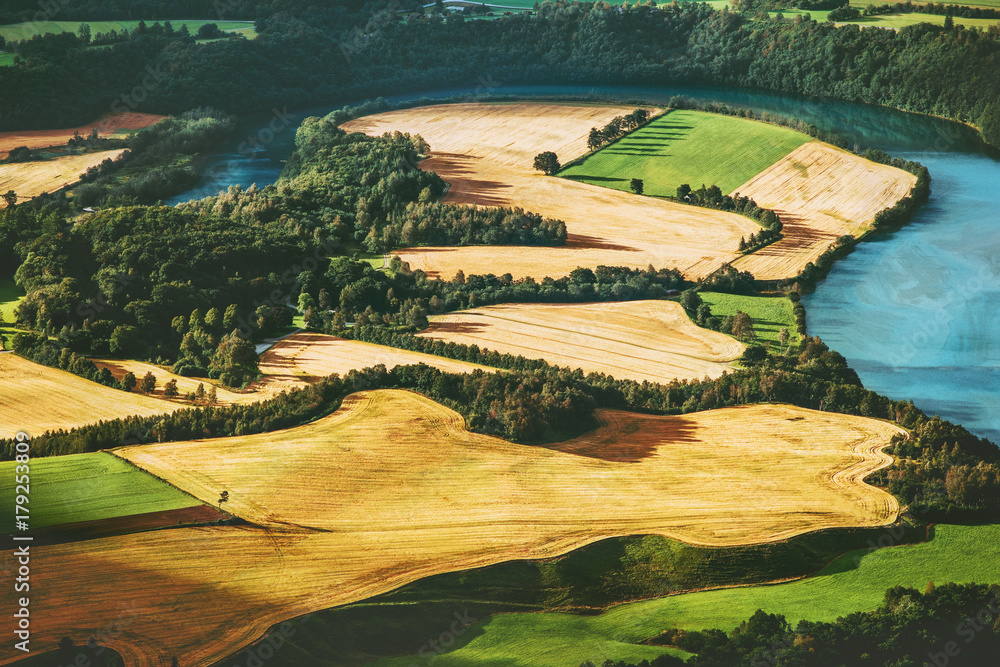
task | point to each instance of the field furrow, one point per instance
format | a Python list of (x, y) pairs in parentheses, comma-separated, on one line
[(485, 152), (392, 488), (651, 341), (820, 193), (36, 398), (30, 179)]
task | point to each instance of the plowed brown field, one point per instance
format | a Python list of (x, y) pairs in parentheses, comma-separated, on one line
[(106, 125)]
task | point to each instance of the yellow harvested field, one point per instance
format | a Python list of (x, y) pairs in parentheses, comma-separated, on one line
[(634, 340), (106, 125), (30, 179), (392, 488), (304, 358), (485, 152), (35, 398), (820, 193)]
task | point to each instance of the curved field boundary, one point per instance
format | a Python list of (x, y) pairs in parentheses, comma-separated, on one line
[(485, 152), (392, 488), (30, 179), (856, 582), (304, 358), (820, 193), (651, 341), (107, 124), (37, 398)]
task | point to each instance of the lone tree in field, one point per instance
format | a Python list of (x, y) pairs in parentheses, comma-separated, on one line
[(783, 337), (636, 186), (148, 384), (170, 389), (10, 198), (547, 162), (129, 381), (743, 327)]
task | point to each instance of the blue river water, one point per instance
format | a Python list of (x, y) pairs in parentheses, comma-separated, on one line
[(916, 311)]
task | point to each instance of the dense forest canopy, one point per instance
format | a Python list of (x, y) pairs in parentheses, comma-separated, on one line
[(309, 56)]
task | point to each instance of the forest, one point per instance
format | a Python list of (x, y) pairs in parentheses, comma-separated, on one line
[(307, 55)]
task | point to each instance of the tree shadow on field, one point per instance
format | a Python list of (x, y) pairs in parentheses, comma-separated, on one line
[(603, 179), (632, 439), (580, 241), (443, 329)]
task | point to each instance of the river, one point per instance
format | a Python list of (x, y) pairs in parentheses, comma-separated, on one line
[(916, 312)]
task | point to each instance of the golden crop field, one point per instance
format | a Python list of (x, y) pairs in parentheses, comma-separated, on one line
[(30, 179), (36, 398), (108, 124), (633, 340), (485, 152), (304, 358), (820, 192), (392, 488)]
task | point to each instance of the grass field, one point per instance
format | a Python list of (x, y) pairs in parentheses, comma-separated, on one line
[(19, 31), (821, 193), (6, 59), (36, 398), (88, 487), (692, 147), (769, 313), (894, 20), (485, 152), (106, 125), (854, 582), (30, 179), (10, 296), (598, 575), (990, 4), (635, 340)]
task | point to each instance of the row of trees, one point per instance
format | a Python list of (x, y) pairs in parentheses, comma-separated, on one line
[(616, 128)]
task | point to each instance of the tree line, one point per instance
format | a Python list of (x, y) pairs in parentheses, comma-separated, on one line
[(339, 53), (907, 627)]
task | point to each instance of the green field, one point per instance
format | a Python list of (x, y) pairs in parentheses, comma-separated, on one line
[(691, 147), (593, 577), (6, 58), (85, 487), (852, 583), (19, 31), (891, 20), (10, 296), (769, 313), (992, 4)]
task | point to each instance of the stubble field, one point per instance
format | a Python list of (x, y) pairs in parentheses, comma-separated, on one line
[(485, 152), (30, 179), (651, 341), (36, 398), (392, 488), (108, 124), (820, 193)]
